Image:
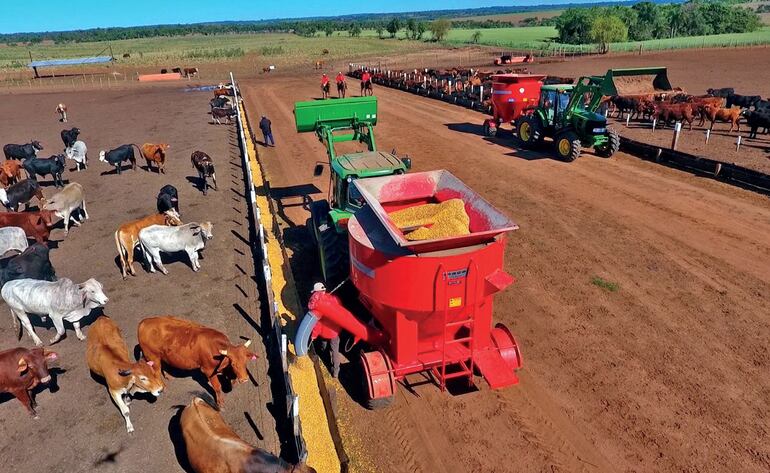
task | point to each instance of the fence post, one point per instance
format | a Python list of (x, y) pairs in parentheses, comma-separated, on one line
[(677, 131), (708, 135), (654, 124), (738, 144)]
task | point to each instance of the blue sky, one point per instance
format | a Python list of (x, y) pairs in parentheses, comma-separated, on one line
[(55, 15)]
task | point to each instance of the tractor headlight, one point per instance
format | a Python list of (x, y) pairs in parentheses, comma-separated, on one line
[(599, 130)]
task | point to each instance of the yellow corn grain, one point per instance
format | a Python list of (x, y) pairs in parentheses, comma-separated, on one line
[(447, 219)]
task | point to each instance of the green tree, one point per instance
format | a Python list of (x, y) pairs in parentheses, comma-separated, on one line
[(650, 22), (607, 29), (476, 37), (421, 28), (440, 28), (328, 29), (411, 28), (393, 27), (574, 25), (380, 31), (355, 30)]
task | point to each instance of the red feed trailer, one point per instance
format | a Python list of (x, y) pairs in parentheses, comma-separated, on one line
[(512, 96), (432, 300)]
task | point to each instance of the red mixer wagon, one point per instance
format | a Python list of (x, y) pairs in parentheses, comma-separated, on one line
[(512, 96), (430, 301)]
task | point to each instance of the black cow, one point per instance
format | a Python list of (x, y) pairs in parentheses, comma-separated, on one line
[(28, 150), (217, 113), (168, 199), (723, 92), (757, 119), (32, 263), (762, 105), (21, 193), (219, 102), (743, 101), (116, 156), (69, 137), (203, 163), (42, 167)]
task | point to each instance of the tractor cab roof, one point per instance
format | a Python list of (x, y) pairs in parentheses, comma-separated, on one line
[(558, 87), (368, 164)]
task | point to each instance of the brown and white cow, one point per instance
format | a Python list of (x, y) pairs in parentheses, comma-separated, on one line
[(127, 236), (186, 345), (22, 370), (190, 71), (107, 356), (155, 154), (213, 447)]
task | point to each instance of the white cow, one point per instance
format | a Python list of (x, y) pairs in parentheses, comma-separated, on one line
[(66, 203), (78, 153), (189, 238), (12, 238), (61, 300)]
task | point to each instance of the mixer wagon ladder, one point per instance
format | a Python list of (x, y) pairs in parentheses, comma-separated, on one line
[(460, 350)]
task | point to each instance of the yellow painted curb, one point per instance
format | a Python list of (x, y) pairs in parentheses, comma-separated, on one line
[(321, 452)]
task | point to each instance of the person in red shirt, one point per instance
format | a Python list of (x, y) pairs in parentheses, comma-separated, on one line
[(325, 87), (327, 333), (366, 84), (342, 86)]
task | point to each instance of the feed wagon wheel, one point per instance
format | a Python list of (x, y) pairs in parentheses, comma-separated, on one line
[(378, 381)]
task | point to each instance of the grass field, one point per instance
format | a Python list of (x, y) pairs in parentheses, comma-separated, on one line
[(277, 47)]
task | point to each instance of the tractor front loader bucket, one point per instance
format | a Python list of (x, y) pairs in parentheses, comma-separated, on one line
[(638, 81), (338, 113)]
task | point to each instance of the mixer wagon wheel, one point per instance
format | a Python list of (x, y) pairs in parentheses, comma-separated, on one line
[(611, 147), (379, 384), (567, 145), (507, 345)]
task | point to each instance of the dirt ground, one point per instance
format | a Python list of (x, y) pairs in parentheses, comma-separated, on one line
[(79, 427), (668, 373)]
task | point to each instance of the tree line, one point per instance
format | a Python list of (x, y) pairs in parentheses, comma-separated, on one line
[(648, 20)]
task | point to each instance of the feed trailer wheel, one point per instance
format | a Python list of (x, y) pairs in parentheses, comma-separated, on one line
[(379, 384)]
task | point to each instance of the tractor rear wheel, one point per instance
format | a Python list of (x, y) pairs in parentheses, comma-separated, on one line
[(567, 145), (529, 130), (332, 247), (611, 147)]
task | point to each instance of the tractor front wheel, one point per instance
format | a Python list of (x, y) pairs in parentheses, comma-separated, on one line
[(611, 146), (568, 145), (529, 130)]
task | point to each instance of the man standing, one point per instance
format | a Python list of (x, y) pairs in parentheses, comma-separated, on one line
[(267, 132), (328, 333)]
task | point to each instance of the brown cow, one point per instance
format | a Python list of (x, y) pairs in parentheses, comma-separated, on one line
[(107, 356), (36, 225), (127, 236), (155, 154), (22, 370), (678, 112), (213, 447), (728, 115), (190, 71), (10, 172), (186, 345)]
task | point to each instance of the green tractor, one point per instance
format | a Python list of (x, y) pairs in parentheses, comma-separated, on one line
[(336, 121), (569, 113)]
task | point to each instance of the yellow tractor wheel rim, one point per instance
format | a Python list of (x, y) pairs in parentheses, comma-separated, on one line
[(564, 147), (524, 131)]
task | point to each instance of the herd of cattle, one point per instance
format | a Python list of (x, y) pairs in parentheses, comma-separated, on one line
[(717, 105), (30, 285)]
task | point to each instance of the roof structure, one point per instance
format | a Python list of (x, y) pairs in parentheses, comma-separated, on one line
[(70, 61)]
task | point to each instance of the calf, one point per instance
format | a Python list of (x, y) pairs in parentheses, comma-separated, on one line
[(22, 370), (217, 113), (36, 225), (22, 152), (10, 172), (677, 112), (33, 263), (61, 300), (127, 237), (12, 239), (723, 92), (190, 238), (42, 167), (21, 193), (743, 101), (78, 153), (168, 199), (729, 115), (212, 446), (66, 204), (69, 137), (190, 71), (115, 157), (203, 163), (186, 345), (155, 154), (107, 357)]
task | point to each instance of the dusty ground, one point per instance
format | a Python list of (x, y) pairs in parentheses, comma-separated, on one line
[(666, 374), (79, 427)]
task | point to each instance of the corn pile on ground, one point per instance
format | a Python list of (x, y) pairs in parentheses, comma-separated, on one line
[(444, 220)]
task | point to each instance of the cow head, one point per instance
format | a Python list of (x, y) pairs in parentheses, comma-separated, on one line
[(145, 378), (45, 216), (36, 363), (237, 357), (37, 146), (102, 156), (206, 230), (59, 158), (92, 294), (172, 218)]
